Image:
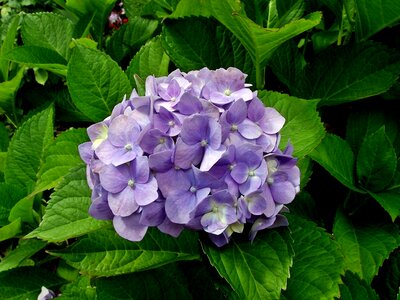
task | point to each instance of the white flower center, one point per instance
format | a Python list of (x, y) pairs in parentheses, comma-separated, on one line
[(203, 143), (128, 147), (193, 189), (227, 92), (234, 127), (131, 182)]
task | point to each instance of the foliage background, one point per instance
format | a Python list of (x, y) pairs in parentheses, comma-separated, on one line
[(331, 67)]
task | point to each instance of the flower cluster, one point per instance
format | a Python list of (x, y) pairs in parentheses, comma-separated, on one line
[(198, 151)]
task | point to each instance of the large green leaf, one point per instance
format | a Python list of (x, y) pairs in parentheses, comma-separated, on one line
[(48, 30), (24, 250), (26, 283), (34, 56), (9, 196), (163, 283), (349, 73), (67, 213), (257, 270), (374, 15), (130, 37), (10, 230), (4, 138), (376, 161), (317, 264), (59, 158), (26, 149), (388, 281), (104, 253), (191, 43), (353, 288), (303, 126), (365, 247), (8, 92), (336, 156), (389, 200), (149, 60), (81, 289), (96, 82), (7, 45)]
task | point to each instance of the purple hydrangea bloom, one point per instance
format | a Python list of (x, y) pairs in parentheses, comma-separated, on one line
[(199, 151)]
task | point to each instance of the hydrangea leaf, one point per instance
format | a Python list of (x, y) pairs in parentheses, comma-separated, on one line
[(26, 149), (376, 161), (4, 138), (365, 247), (59, 158), (105, 253), (373, 16), (47, 30), (317, 264), (8, 91), (389, 200), (26, 282), (298, 113), (388, 281), (66, 214), (81, 288), (9, 196), (191, 43), (8, 45), (149, 60), (130, 37), (10, 230), (258, 270), (34, 56), (96, 82), (163, 283), (336, 156), (24, 250), (349, 73), (355, 288)]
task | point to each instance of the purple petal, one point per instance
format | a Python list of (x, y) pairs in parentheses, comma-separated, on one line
[(123, 130), (161, 161), (219, 98), (147, 192), (114, 179), (173, 182), (256, 110), (272, 121), (140, 169), (186, 155), (256, 203), (195, 129), (210, 157), (249, 129), (245, 94), (270, 209), (97, 133), (260, 224), (170, 228), (86, 152), (252, 184), (240, 173), (237, 112), (99, 208), (283, 192), (189, 104), (130, 227), (153, 214), (123, 203), (178, 207)]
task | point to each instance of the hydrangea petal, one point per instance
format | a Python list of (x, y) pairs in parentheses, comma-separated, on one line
[(123, 203), (130, 227)]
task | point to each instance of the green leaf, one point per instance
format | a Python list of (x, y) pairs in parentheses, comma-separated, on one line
[(34, 56), (7, 45), (191, 43), (81, 289), (24, 250), (258, 270), (376, 161), (4, 138), (26, 283), (67, 213), (8, 92), (373, 16), (335, 155), (388, 281), (130, 37), (389, 200), (163, 283), (299, 113), (317, 264), (11, 230), (47, 30), (353, 288), (96, 82), (365, 247), (26, 149), (60, 157), (149, 60), (9, 196), (23, 210), (349, 73), (104, 253)]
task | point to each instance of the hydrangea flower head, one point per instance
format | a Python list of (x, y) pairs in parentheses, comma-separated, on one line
[(199, 151)]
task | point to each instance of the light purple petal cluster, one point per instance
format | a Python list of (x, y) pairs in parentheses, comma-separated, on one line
[(198, 151)]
